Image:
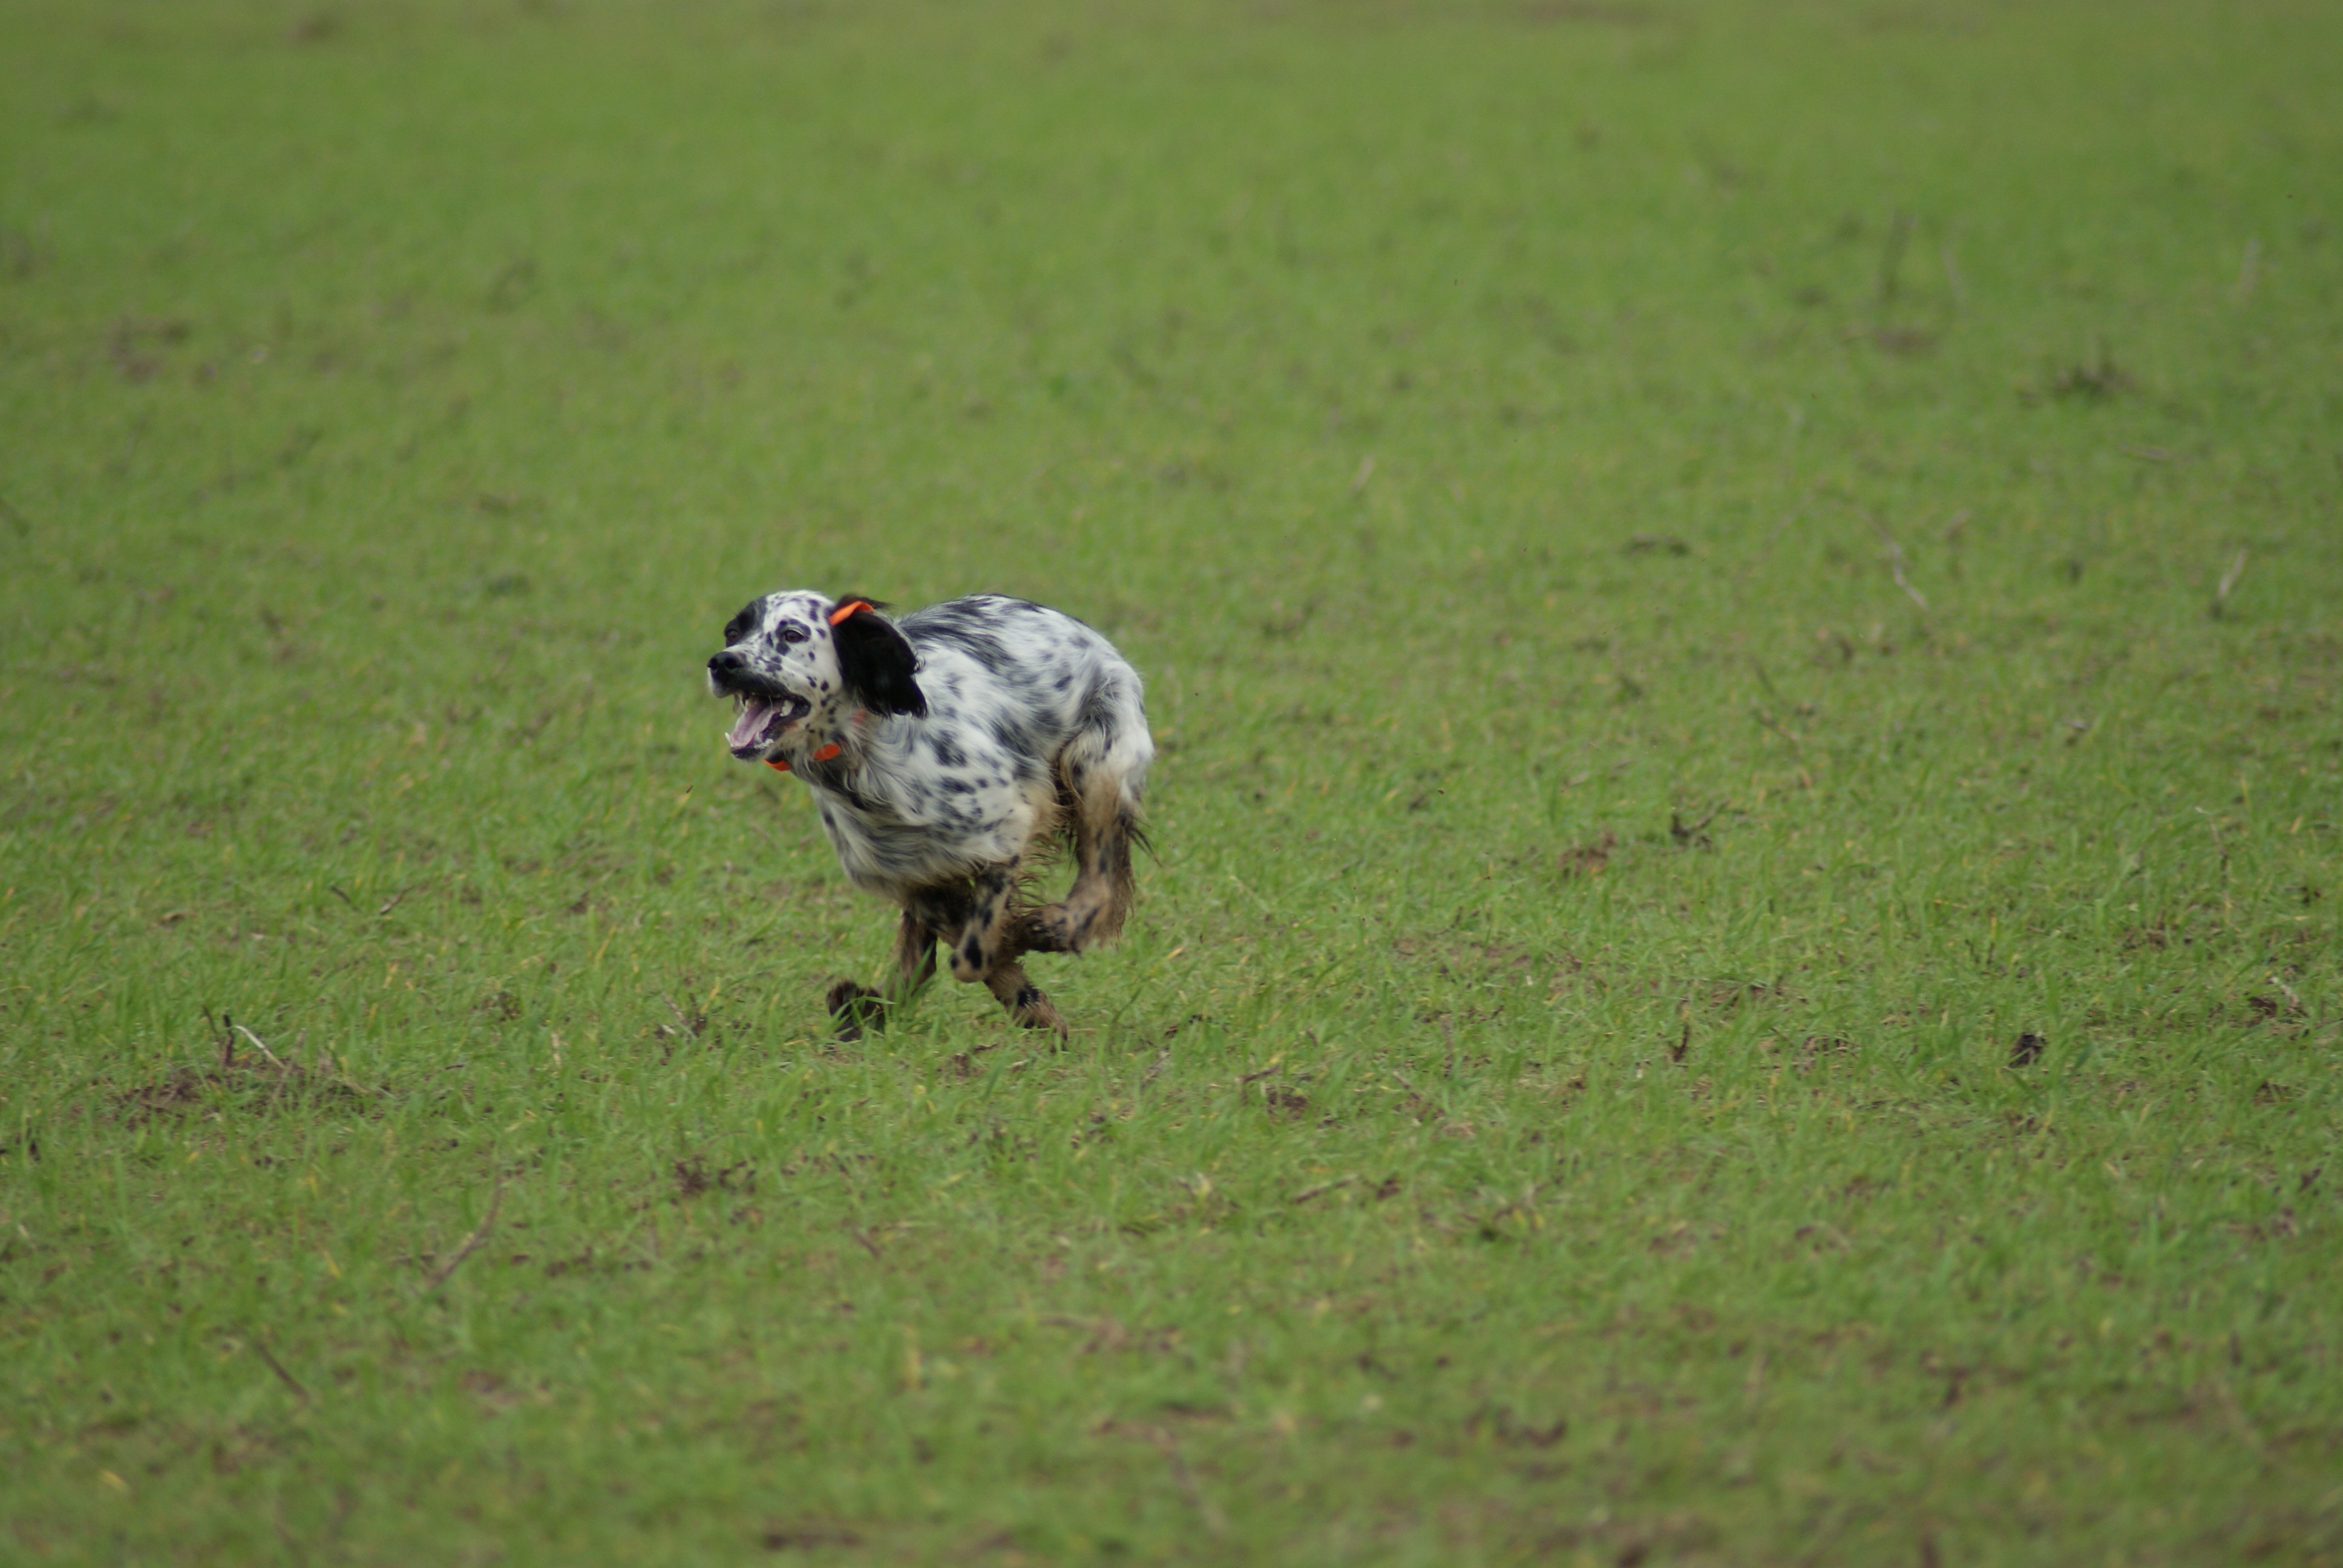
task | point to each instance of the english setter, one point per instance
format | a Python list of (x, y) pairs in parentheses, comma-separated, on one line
[(947, 752)]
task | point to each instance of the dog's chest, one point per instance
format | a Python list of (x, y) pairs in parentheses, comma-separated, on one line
[(928, 807)]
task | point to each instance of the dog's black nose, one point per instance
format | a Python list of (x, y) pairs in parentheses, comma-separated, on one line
[(724, 662)]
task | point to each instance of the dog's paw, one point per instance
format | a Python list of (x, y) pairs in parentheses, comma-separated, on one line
[(1053, 928), (1033, 1010), (857, 1008)]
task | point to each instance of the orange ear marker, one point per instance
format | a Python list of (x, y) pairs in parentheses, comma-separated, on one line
[(833, 749)]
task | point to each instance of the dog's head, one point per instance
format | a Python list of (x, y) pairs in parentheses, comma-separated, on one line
[(796, 661)]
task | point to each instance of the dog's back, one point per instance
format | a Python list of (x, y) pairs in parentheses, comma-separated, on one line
[(1057, 694), (1034, 724)]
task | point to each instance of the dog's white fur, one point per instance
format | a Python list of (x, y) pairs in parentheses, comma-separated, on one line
[(946, 752)]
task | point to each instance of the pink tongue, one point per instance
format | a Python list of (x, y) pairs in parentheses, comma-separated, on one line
[(750, 727)]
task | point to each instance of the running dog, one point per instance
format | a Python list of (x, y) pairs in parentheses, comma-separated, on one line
[(947, 752)]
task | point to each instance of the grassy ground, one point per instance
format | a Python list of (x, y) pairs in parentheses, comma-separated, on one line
[(1741, 606)]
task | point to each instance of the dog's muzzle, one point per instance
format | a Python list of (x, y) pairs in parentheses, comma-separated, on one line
[(765, 707)]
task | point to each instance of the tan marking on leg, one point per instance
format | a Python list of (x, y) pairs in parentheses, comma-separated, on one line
[(985, 935)]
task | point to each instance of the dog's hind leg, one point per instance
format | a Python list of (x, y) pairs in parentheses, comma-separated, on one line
[(1092, 912), (859, 1007), (1101, 771)]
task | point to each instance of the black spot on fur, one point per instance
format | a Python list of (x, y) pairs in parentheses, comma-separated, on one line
[(1013, 737)]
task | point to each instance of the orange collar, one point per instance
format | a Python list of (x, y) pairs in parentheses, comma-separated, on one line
[(821, 754), (824, 754)]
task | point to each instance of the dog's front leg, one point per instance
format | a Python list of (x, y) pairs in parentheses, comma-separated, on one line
[(984, 935), (989, 942), (915, 957), (857, 1008), (1027, 1003)]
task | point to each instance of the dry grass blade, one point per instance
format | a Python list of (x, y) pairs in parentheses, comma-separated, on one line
[(260, 1348), (258, 1044), (1308, 1193), (284, 1377), (1896, 567), (1767, 720), (446, 1271), (2228, 580), (392, 901)]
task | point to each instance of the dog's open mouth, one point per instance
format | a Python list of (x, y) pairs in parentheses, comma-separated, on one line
[(761, 721)]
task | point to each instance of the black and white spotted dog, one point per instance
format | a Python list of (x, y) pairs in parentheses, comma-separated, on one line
[(947, 751)]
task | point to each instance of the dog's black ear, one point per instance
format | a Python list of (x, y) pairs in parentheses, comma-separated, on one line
[(875, 660)]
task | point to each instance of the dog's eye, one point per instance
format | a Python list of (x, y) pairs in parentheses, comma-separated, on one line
[(793, 634)]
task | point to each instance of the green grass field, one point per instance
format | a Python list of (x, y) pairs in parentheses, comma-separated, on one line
[(1706, 572)]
